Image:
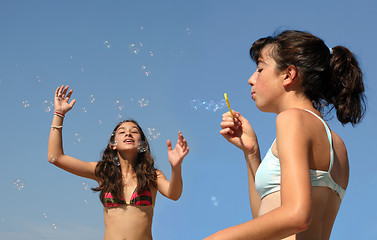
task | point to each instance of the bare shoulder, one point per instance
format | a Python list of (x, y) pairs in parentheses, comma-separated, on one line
[(292, 118)]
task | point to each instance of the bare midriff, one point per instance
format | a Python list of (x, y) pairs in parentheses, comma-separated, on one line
[(129, 222)]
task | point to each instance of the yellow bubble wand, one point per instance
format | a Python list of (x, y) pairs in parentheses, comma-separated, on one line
[(227, 103)]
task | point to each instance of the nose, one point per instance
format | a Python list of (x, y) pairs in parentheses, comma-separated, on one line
[(251, 80)]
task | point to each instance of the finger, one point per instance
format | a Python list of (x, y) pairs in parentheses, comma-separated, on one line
[(226, 132), (72, 103), (57, 91), (228, 125), (184, 143), (180, 138), (60, 91), (180, 135), (168, 143), (65, 91), (69, 94), (227, 114)]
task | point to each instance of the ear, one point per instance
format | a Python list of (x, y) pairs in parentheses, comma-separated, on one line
[(290, 75)]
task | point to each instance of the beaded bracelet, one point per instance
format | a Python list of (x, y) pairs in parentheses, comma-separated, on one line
[(56, 127)]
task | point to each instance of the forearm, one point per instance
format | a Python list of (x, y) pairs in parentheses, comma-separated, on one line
[(176, 183), (277, 224), (252, 162), (55, 142)]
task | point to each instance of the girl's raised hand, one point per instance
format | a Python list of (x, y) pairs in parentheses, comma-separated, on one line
[(177, 154), (62, 103), (238, 131)]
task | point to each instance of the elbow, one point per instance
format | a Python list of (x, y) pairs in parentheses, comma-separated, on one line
[(51, 158), (176, 198), (301, 220), (302, 226)]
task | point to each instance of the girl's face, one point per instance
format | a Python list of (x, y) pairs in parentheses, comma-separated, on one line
[(266, 83), (127, 136)]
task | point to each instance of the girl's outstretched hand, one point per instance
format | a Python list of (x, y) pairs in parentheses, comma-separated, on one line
[(177, 154), (239, 132), (62, 96)]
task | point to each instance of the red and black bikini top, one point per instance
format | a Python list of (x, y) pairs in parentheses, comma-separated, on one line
[(141, 199)]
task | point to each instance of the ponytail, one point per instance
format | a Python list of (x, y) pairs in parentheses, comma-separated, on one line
[(347, 88)]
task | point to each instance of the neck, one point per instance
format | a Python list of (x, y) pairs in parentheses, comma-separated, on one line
[(295, 101), (126, 163)]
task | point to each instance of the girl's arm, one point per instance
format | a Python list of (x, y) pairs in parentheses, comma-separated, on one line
[(173, 189), (239, 132), (294, 214), (56, 154)]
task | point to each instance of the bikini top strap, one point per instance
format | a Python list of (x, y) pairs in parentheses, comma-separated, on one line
[(329, 137)]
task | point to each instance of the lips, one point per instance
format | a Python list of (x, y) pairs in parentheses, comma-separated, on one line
[(253, 95), (129, 140)]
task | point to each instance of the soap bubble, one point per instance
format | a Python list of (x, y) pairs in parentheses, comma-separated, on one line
[(45, 215), (142, 102), (86, 202), (19, 183), (107, 44), (85, 186), (92, 98), (145, 70), (84, 110), (142, 147), (152, 133), (2, 219), (119, 117), (134, 48), (54, 226), (188, 31), (214, 201), (77, 138), (119, 105), (198, 104), (47, 105), (116, 161), (222, 103), (82, 69), (113, 142), (212, 105), (25, 104), (38, 78), (100, 122), (151, 53)]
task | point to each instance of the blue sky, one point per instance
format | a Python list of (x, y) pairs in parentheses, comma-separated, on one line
[(193, 51)]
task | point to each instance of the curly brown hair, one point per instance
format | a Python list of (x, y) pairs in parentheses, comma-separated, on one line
[(109, 175)]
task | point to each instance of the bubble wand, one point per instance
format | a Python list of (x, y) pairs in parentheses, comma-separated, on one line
[(227, 103)]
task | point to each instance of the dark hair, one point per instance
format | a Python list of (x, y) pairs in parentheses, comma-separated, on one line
[(327, 78), (109, 175)]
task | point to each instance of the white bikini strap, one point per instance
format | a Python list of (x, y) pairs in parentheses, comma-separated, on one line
[(329, 137)]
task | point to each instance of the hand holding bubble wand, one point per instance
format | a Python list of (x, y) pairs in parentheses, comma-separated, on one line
[(227, 103)]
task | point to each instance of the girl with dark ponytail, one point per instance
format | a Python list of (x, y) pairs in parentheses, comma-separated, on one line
[(296, 191), (128, 181)]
